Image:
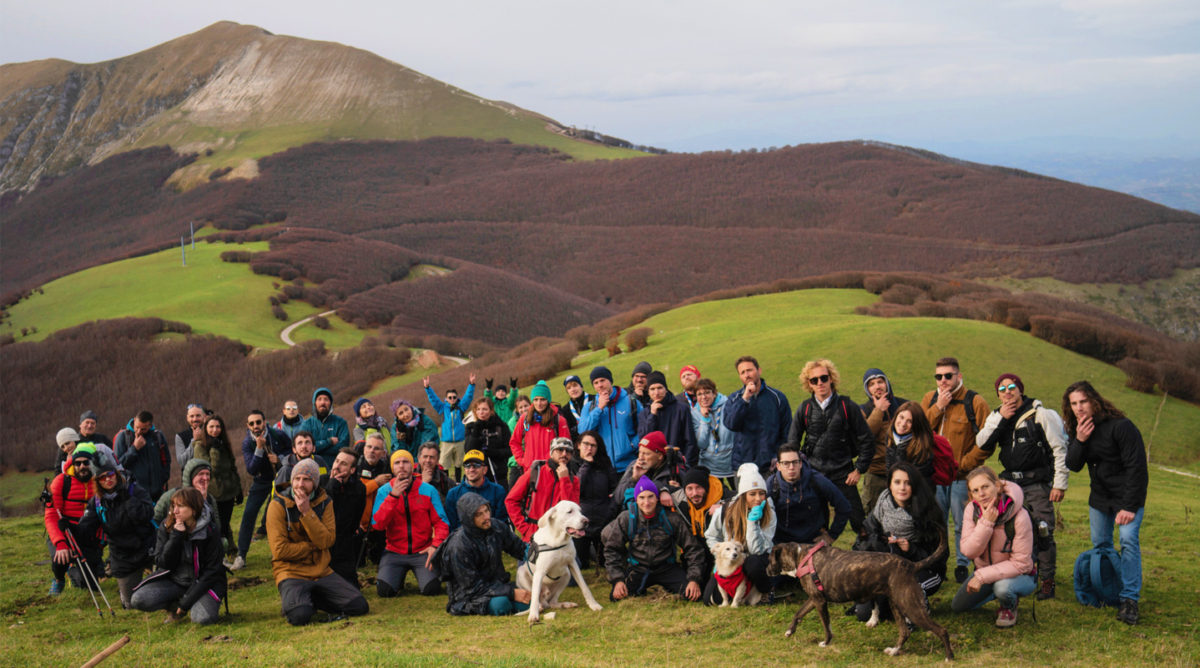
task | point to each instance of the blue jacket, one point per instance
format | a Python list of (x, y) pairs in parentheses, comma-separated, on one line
[(257, 463), (324, 430), (759, 427), (452, 424), (803, 506), (617, 424), (491, 492), (714, 440), (413, 439)]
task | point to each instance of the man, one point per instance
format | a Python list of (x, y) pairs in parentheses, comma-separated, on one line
[(880, 407), (576, 398), (830, 430), (291, 421), (68, 438), (193, 432), (688, 376), (641, 547), (431, 472), (453, 432), (66, 500), (701, 495), (329, 432), (476, 482), (1111, 446), (654, 461), (802, 498), (300, 530), (956, 413), (142, 450), (758, 415), (349, 497), (410, 514), (638, 383), (613, 413), (541, 487), (263, 448), (88, 423), (197, 474), (1033, 450), (470, 562), (303, 447), (504, 399), (670, 416)]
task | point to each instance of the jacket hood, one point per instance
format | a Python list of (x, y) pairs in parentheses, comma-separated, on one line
[(877, 373), (468, 504), (190, 469), (203, 524), (322, 390)]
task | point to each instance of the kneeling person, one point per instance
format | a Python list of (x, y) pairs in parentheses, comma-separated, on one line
[(641, 546), (190, 579), (470, 563), (409, 512)]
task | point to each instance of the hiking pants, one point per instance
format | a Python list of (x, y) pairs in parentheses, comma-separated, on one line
[(301, 598)]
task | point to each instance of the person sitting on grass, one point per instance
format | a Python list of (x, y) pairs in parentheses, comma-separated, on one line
[(470, 563), (642, 545), (190, 579), (122, 511), (750, 520)]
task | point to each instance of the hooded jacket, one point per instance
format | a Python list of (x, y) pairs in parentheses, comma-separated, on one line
[(616, 423), (189, 471), (67, 506), (877, 419), (674, 420), (323, 430), (953, 424), (491, 437), (714, 440), (150, 466), (760, 426), (349, 500), (470, 561), (596, 481), (550, 489), (125, 518), (374, 423), (531, 440), (985, 541), (413, 521), (191, 560), (833, 436), (452, 429), (489, 491), (421, 429), (654, 543), (300, 543), (801, 505)]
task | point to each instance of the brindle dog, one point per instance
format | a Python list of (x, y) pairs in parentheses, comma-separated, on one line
[(860, 576)]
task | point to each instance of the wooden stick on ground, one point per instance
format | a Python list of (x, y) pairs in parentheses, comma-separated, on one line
[(108, 651)]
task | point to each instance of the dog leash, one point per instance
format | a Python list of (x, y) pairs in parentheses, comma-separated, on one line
[(806, 567)]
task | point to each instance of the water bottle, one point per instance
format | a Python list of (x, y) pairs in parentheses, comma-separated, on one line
[(1043, 528)]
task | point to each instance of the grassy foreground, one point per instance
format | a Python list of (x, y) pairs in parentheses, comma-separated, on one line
[(412, 630)]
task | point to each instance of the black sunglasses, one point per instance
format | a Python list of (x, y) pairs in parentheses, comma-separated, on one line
[(944, 376), (819, 379)]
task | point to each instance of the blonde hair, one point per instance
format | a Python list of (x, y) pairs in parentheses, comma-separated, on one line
[(986, 472), (834, 376)]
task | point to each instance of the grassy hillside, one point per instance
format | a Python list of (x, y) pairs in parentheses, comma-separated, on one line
[(212, 296)]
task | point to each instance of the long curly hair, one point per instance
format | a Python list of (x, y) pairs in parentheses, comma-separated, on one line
[(1102, 409)]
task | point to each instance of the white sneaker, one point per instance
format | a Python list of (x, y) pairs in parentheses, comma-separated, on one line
[(238, 563)]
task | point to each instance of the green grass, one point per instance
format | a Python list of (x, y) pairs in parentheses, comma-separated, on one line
[(414, 630), (212, 296)]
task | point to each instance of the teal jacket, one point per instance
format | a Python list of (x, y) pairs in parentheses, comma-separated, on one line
[(323, 431)]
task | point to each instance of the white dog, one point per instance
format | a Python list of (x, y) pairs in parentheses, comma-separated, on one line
[(552, 560), (730, 555)]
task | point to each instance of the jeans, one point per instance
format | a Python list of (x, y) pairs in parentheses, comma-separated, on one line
[(260, 492), (1005, 591), (1131, 549), (953, 498)]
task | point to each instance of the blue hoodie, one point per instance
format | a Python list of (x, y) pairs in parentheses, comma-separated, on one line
[(714, 440), (323, 431), (453, 429)]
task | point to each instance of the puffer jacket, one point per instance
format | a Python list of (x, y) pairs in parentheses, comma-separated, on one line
[(491, 437), (531, 440), (68, 502), (985, 542), (833, 436), (654, 543), (226, 485), (674, 420), (470, 561), (525, 513), (191, 560), (300, 543)]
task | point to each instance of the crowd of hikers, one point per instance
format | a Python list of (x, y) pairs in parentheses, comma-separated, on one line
[(662, 476)]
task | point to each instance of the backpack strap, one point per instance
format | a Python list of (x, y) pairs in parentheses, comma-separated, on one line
[(1094, 569), (968, 403)]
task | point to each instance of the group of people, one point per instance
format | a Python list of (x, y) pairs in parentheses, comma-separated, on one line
[(662, 477)]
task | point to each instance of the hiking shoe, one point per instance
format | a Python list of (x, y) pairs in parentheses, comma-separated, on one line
[(238, 563), (1006, 617), (56, 587), (1128, 611), (960, 574), (1047, 590)]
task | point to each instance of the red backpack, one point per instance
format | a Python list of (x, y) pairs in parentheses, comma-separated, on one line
[(945, 468)]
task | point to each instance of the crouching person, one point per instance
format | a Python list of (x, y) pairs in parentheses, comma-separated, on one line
[(300, 530), (122, 512), (470, 563), (190, 578), (642, 544)]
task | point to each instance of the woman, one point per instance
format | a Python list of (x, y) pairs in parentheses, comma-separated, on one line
[(998, 535), (124, 513), (366, 419), (750, 520), (411, 428), (542, 424), (519, 412), (374, 471), (191, 578), (597, 478), (908, 522), (909, 438), (713, 438), (487, 433), (226, 486)]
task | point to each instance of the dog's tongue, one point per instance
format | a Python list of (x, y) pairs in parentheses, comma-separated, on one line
[(577, 533)]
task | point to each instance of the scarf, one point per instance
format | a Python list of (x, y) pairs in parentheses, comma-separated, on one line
[(901, 439), (894, 519), (373, 422)]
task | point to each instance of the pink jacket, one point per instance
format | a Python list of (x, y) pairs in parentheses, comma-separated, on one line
[(984, 541)]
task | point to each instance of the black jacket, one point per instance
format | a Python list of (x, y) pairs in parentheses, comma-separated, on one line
[(191, 560), (831, 437), (875, 539), (596, 481), (349, 499), (126, 516), (470, 561), (491, 437), (1116, 461), (674, 420)]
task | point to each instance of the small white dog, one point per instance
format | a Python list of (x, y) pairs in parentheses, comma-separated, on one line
[(730, 555), (552, 560)]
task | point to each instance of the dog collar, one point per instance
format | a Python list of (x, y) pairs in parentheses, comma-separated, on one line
[(806, 566)]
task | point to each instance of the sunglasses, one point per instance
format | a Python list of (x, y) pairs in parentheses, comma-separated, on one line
[(106, 476), (944, 376), (817, 380), (473, 465), (253, 423), (1007, 388)]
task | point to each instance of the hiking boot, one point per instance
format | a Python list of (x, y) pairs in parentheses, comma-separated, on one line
[(56, 587), (1047, 590), (238, 564), (1006, 618), (960, 574), (1128, 611)]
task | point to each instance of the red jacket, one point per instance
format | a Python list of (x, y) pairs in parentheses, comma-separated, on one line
[(412, 522), (550, 490), (531, 440), (72, 506)]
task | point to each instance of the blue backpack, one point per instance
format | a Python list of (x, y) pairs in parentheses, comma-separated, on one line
[(1098, 577)]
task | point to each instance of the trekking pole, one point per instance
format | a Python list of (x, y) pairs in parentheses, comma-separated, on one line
[(85, 569)]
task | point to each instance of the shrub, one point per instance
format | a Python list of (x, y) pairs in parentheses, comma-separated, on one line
[(637, 338), (321, 322), (1179, 381), (612, 346), (236, 256), (901, 294), (1139, 376), (278, 312)]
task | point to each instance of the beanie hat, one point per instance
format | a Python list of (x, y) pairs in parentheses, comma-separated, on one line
[(571, 379), (656, 378), (540, 390), (358, 404), (697, 475), (561, 443), (416, 414), (601, 372), (655, 441), (644, 484), (473, 456), (400, 454), (1014, 377), (642, 367), (687, 368), (86, 450), (194, 466), (102, 465), (67, 435), (749, 478), (307, 467), (89, 415), (502, 388)]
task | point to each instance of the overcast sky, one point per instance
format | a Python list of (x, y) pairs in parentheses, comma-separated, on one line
[(978, 80)]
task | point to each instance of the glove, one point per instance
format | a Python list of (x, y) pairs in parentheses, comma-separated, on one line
[(488, 382), (512, 384), (63, 524), (756, 512), (512, 463)]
